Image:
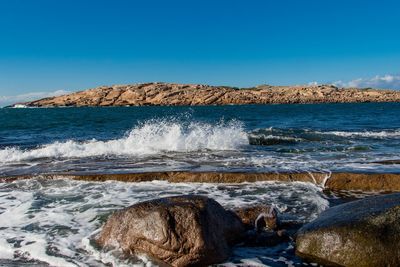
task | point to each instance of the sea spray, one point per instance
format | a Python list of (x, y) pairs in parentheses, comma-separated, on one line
[(150, 137)]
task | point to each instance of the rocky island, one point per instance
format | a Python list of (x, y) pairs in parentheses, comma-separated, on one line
[(163, 94)]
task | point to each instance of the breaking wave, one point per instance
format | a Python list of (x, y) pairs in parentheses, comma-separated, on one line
[(154, 137), (148, 138)]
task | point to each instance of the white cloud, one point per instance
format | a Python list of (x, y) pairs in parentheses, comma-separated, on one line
[(8, 100), (385, 82)]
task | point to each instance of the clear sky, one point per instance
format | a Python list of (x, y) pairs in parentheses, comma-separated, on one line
[(49, 45)]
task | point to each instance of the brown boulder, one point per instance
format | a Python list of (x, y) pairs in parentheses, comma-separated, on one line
[(180, 231)]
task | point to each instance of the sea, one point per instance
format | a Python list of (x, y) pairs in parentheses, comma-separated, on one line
[(53, 222)]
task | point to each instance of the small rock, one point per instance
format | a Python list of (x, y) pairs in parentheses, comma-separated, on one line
[(269, 220), (249, 215), (265, 227)]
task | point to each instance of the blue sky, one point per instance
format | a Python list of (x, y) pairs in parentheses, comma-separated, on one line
[(66, 45)]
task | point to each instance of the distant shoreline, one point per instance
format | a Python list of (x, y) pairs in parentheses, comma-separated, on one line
[(169, 94), (187, 106)]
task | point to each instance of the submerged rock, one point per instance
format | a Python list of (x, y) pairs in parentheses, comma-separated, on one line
[(361, 233), (180, 231)]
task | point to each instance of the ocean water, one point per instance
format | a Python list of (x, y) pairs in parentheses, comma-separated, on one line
[(53, 222), (263, 138)]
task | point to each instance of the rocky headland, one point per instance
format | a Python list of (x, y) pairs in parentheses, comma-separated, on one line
[(163, 94)]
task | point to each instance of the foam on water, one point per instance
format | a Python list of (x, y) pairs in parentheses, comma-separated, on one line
[(182, 144), (151, 137), (367, 134), (54, 221), (304, 134)]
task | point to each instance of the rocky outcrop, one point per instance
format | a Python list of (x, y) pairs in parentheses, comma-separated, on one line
[(180, 231), (335, 181), (360, 233), (192, 94)]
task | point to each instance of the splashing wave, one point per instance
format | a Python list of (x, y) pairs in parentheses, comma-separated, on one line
[(147, 138)]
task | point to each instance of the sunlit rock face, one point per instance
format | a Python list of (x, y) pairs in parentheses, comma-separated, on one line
[(360, 233), (156, 94), (180, 231)]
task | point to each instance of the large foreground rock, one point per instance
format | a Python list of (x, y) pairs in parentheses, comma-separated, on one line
[(360, 233), (181, 231)]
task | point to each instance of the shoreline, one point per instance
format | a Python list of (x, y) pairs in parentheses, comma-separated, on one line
[(204, 105), (173, 94), (389, 182)]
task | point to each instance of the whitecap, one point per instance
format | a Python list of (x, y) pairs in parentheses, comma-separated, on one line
[(367, 134), (151, 137)]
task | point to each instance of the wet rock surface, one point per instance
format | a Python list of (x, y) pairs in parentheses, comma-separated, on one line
[(336, 181), (360, 233), (192, 230), (195, 94), (249, 215), (265, 227), (180, 231)]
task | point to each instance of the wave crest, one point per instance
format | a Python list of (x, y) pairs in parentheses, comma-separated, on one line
[(147, 138)]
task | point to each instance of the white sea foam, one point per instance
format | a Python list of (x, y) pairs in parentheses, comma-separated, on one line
[(151, 137), (160, 145), (54, 221), (19, 106), (368, 134)]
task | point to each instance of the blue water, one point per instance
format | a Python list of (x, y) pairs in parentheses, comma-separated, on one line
[(262, 138), (52, 222)]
